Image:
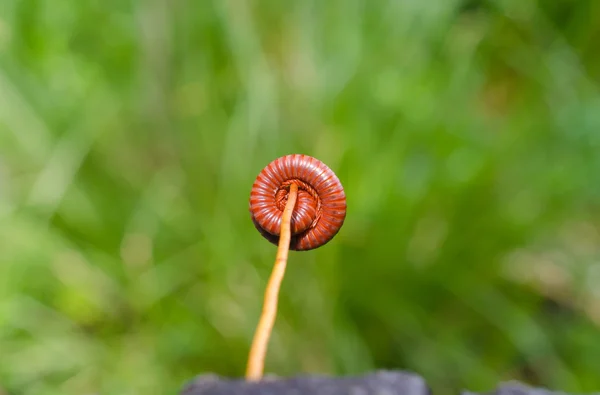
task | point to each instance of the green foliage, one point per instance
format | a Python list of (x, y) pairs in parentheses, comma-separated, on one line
[(466, 134)]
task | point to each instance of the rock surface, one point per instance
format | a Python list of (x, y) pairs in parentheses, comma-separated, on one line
[(376, 383), (516, 388)]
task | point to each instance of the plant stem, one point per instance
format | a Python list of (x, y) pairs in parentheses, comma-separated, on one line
[(256, 359)]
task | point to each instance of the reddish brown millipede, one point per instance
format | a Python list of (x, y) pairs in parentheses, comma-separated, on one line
[(321, 207), (298, 203)]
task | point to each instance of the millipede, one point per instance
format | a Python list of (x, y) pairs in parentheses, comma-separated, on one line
[(320, 210)]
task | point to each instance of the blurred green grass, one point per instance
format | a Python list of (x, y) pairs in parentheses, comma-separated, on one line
[(466, 134)]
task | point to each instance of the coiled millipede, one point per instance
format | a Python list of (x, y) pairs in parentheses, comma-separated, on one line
[(298, 203)]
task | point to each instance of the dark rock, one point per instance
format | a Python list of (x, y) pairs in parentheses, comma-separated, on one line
[(377, 383), (517, 388)]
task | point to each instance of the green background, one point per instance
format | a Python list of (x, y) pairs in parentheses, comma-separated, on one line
[(466, 135)]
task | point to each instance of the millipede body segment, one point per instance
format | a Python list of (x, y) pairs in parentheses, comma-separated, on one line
[(320, 208)]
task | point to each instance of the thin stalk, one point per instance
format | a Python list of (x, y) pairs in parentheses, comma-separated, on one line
[(256, 359)]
